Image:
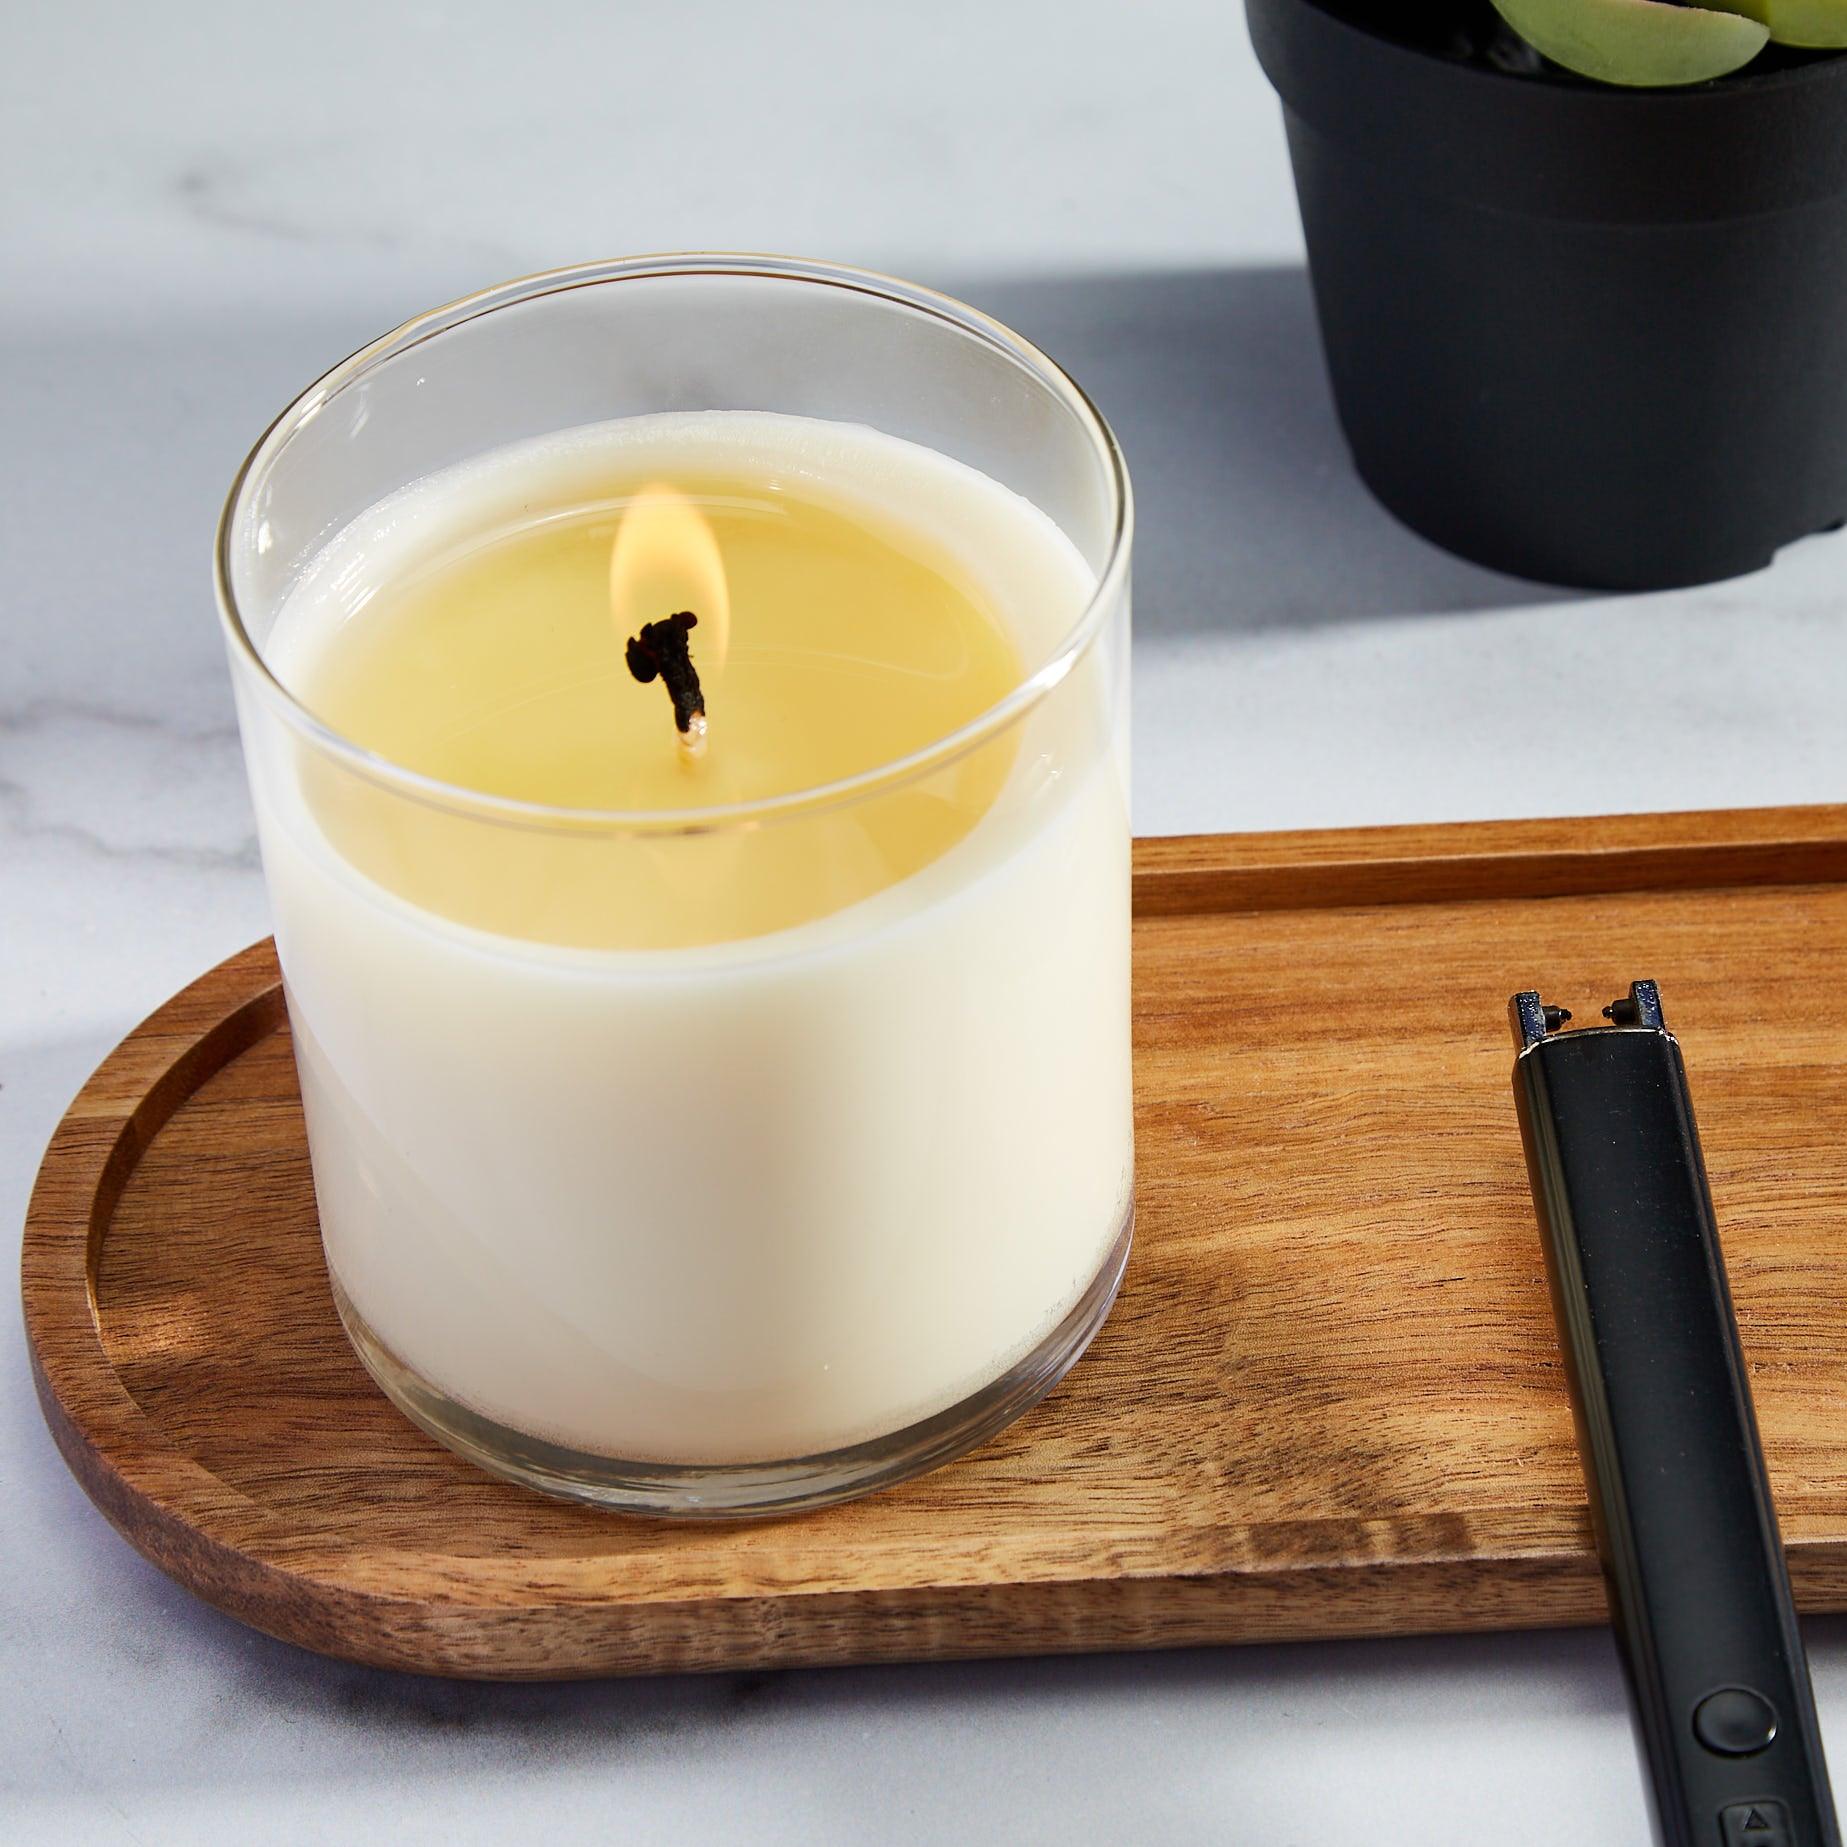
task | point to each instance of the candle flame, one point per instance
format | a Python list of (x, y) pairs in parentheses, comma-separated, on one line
[(665, 559)]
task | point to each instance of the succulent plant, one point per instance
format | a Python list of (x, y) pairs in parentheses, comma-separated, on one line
[(1813, 25), (1653, 43)]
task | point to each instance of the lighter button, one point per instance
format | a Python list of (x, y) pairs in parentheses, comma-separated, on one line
[(1735, 1722)]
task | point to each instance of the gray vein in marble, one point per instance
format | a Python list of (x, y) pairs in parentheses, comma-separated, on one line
[(124, 785), (236, 197), (50, 710), (216, 191), (17, 823)]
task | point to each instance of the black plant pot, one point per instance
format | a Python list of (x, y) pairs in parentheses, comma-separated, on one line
[(1587, 335)]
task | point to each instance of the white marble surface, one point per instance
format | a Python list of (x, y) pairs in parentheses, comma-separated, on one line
[(204, 205)]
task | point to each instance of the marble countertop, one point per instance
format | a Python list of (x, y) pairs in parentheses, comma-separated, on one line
[(202, 208)]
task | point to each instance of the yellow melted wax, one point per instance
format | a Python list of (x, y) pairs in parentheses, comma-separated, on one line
[(499, 667)]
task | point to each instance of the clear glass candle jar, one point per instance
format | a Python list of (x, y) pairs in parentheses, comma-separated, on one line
[(707, 1158)]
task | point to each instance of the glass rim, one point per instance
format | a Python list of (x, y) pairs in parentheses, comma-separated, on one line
[(880, 778)]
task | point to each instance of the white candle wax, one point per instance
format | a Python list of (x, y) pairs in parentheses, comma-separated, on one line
[(744, 1201)]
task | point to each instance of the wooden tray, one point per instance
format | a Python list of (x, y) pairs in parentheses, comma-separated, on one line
[(1327, 1404)]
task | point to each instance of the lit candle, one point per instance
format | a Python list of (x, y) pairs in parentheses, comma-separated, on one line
[(701, 1085)]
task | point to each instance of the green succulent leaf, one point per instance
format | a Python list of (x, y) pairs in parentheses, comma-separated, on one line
[(1646, 43), (1817, 25)]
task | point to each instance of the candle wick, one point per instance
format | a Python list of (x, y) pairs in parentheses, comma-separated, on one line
[(661, 651)]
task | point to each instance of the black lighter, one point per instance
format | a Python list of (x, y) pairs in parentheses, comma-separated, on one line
[(1699, 1593)]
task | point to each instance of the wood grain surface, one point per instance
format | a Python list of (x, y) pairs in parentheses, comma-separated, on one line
[(1328, 1402)]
